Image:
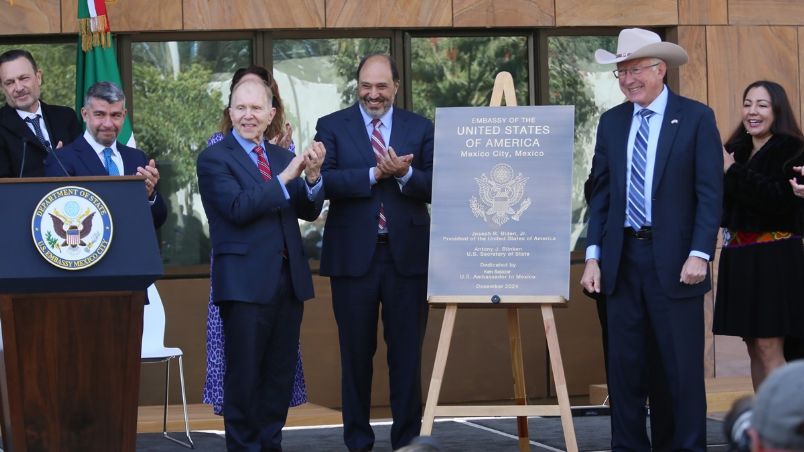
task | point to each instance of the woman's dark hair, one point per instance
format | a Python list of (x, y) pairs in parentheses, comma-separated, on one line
[(784, 121)]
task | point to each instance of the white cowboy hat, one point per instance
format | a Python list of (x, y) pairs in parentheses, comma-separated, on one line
[(635, 43)]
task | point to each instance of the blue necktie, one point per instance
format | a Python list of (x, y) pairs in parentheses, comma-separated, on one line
[(636, 210), (111, 166), (34, 121)]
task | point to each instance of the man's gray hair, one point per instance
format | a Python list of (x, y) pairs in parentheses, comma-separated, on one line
[(107, 91)]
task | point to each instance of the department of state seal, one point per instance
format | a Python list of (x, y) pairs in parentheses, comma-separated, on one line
[(72, 228)]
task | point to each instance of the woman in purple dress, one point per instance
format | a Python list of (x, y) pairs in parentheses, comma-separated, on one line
[(279, 133)]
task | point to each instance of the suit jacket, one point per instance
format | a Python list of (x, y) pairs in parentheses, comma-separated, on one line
[(686, 195), (79, 159), (251, 223), (62, 125), (350, 233)]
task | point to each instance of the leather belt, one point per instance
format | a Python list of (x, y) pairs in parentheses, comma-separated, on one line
[(645, 233), (382, 238)]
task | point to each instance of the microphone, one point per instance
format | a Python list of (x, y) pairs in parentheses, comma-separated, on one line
[(24, 151), (52, 152)]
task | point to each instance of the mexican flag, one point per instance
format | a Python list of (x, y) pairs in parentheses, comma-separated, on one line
[(96, 60)]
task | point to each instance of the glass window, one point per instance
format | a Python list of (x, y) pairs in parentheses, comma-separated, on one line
[(316, 77), (460, 71), (575, 79), (179, 91), (57, 63)]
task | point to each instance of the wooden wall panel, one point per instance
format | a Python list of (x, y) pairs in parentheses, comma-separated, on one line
[(702, 12), (389, 13), (130, 15), (738, 56), (616, 12), (766, 12), (692, 76), (20, 17), (253, 14), (510, 13)]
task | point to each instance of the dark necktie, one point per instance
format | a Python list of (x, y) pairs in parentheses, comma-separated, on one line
[(34, 121), (636, 211), (378, 146), (262, 163)]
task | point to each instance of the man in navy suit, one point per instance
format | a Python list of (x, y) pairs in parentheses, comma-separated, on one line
[(654, 216), (25, 118), (97, 152), (253, 196), (376, 246)]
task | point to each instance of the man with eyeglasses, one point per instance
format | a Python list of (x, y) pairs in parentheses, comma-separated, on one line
[(654, 217)]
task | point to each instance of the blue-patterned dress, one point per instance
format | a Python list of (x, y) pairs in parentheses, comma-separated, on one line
[(216, 363)]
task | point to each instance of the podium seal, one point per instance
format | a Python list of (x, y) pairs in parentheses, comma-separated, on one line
[(72, 228)]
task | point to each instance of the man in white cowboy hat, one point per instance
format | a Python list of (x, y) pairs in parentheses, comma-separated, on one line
[(655, 211)]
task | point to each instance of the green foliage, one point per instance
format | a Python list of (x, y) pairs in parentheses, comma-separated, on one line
[(174, 117), (460, 71), (347, 56), (340, 58), (57, 63), (568, 58)]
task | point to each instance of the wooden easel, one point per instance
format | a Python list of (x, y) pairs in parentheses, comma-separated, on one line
[(503, 86)]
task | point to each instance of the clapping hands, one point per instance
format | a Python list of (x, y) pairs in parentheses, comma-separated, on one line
[(393, 165), (309, 161)]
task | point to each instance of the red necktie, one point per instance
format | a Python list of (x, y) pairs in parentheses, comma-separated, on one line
[(265, 172), (262, 163), (378, 145)]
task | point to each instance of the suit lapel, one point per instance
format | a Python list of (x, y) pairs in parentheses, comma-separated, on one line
[(89, 158), (130, 159), (667, 135), (51, 127), (357, 130), (18, 127), (620, 142), (237, 154), (398, 132)]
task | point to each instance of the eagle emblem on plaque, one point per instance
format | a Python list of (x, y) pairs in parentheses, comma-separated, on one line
[(500, 196), (72, 228)]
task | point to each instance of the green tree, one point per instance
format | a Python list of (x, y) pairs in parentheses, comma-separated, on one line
[(460, 71), (174, 117)]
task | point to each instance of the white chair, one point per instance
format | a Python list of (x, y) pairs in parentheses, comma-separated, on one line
[(154, 351)]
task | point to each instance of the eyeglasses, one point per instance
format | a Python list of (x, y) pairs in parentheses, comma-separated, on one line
[(634, 71)]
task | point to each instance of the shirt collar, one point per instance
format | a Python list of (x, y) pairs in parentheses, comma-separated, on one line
[(385, 119), (247, 145), (97, 147), (658, 105), (26, 114)]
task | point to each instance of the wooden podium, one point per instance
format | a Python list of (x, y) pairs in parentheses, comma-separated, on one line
[(70, 358)]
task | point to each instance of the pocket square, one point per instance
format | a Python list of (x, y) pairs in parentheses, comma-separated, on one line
[(674, 121)]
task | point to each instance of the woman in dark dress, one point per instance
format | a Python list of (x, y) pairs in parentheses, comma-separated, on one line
[(760, 289)]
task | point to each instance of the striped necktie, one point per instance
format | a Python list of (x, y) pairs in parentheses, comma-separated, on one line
[(262, 163), (378, 146), (636, 210)]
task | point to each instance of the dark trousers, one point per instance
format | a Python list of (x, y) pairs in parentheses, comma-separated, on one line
[(656, 350), (261, 342), (356, 303)]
